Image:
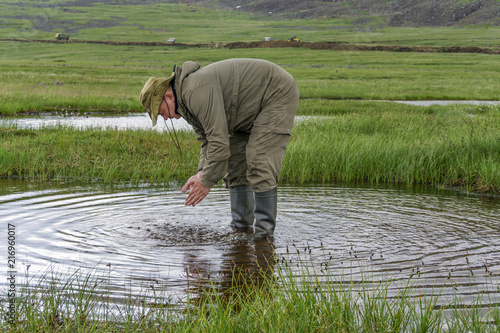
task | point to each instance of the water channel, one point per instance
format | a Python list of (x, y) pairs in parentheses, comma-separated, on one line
[(142, 121)]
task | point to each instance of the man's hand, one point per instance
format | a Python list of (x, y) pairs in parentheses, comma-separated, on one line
[(197, 191)]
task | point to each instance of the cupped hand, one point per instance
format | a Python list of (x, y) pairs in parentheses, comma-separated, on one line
[(197, 191)]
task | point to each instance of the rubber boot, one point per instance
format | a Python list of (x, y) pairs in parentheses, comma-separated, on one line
[(242, 207), (266, 209)]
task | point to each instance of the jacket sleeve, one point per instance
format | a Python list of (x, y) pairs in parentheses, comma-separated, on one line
[(200, 136), (207, 103)]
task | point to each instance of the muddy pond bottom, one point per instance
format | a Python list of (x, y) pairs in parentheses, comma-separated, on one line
[(142, 237)]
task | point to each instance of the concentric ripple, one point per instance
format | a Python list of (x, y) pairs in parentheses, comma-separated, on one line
[(143, 235)]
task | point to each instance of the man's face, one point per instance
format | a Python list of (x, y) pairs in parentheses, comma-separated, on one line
[(167, 107)]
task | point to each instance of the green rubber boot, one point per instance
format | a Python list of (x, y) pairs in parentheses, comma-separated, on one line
[(242, 207), (266, 209)]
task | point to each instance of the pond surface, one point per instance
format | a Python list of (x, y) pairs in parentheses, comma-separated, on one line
[(142, 236), (94, 120), (429, 103)]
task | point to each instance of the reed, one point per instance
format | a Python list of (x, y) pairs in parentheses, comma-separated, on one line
[(283, 302)]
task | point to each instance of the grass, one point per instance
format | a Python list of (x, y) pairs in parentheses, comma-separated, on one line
[(110, 77), (106, 155), (195, 24), (281, 302), (370, 142), (361, 140), (455, 145), (48, 77)]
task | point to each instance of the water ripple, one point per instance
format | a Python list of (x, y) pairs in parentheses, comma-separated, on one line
[(146, 231)]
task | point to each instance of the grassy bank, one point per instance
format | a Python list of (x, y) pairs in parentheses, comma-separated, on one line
[(106, 155), (453, 145), (369, 142), (278, 303)]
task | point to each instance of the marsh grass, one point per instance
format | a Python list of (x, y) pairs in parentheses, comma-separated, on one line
[(284, 302), (455, 145), (370, 142), (107, 155)]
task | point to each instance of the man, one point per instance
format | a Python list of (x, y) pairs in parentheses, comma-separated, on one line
[(242, 112)]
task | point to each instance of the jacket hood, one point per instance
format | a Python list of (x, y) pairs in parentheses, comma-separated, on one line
[(181, 73), (187, 68)]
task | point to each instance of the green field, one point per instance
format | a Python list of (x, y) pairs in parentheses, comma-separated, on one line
[(371, 141), (194, 24), (76, 76), (45, 76)]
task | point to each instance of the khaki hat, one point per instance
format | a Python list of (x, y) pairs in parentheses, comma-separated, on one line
[(152, 95)]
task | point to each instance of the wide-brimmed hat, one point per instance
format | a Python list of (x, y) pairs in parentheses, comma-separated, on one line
[(152, 95)]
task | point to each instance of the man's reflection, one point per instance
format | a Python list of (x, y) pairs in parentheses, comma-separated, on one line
[(245, 266)]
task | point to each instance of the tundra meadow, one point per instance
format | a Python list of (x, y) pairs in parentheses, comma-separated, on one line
[(353, 130)]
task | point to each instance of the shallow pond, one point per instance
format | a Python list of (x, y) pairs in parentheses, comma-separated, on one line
[(142, 236), (142, 121), (93, 120)]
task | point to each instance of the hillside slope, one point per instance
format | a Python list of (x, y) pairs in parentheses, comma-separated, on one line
[(395, 12)]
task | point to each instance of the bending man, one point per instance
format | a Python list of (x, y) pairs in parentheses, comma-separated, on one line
[(242, 112)]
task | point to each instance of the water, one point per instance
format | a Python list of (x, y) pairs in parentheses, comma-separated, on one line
[(429, 103), (94, 120), (142, 237), (142, 120)]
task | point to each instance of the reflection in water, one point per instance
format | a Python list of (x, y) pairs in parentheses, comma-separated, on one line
[(143, 237), (244, 266)]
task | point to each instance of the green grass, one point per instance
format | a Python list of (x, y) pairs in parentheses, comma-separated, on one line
[(455, 145), (106, 155), (370, 142), (281, 302), (110, 77), (40, 76), (195, 24)]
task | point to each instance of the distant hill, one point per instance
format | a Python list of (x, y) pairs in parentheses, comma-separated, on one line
[(393, 12), (416, 13)]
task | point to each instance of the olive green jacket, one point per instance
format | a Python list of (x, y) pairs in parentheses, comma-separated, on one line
[(222, 98)]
